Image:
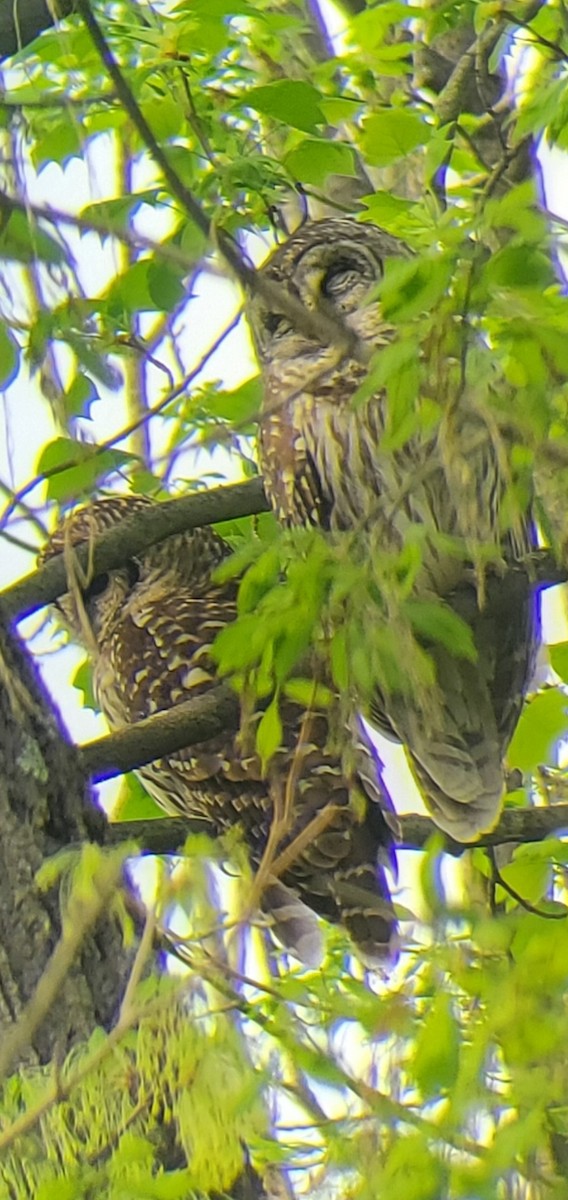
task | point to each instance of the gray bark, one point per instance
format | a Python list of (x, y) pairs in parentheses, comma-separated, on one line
[(43, 808), (23, 20)]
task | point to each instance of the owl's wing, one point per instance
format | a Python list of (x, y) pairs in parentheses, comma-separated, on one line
[(161, 654), (456, 749), (290, 474)]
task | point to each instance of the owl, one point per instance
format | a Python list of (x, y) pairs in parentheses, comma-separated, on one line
[(149, 628), (326, 462)]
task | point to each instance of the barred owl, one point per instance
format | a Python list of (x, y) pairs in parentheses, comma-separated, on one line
[(149, 627), (325, 462)]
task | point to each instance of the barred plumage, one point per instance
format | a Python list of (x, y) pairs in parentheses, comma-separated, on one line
[(149, 627), (324, 463)]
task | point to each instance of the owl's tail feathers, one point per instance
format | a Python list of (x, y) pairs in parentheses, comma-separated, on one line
[(454, 743), (356, 897), (365, 910), (463, 791), (293, 924)]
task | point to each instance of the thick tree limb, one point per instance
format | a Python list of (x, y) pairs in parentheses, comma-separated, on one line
[(133, 536), (166, 835), (147, 527), (187, 724)]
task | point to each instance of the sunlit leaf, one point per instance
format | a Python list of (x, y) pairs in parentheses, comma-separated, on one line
[(392, 134), (437, 622), (558, 653), (292, 101), (133, 802), (436, 1055), (313, 160), (9, 356), (72, 468), (24, 242), (543, 721), (83, 681), (269, 732)]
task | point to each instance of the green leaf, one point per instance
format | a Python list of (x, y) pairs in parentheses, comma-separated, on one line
[(340, 659), (148, 286), (165, 285), (314, 159), (543, 721), (558, 653), (529, 875), (437, 622), (164, 116), (79, 395), (392, 134), (118, 211), (384, 208), (269, 733), (258, 580), (519, 267), (291, 101), (9, 356), (410, 288), (436, 1058), (339, 108), (133, 802), (412, 1171), (239, 406), (517, 209), (309, 694), (72, 468), (22, 241), (58, 145), (83, 681), (389, 366)]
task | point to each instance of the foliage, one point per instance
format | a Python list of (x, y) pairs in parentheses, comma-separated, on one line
[(446, 1076)]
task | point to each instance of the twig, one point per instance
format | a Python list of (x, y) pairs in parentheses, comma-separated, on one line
[(17, 498), (322, 327), (92, 224), (522, 900)]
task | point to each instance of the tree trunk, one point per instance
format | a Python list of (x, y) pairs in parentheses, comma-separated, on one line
[(43, 808), (21, 22)]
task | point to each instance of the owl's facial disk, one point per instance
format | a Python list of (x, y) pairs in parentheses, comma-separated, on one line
[(101, 601), (90, 608), (331, 267)]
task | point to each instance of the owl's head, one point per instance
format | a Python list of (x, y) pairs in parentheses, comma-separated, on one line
[(95, 601), (331, 267)]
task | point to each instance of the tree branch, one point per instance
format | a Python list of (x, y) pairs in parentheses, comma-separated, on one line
[(187, 724), (323, 327), (131, 537), (165, 835), (178, 515)]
